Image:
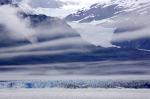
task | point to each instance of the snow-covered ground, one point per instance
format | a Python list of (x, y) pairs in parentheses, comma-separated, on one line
[(75, 94), (102, 36)]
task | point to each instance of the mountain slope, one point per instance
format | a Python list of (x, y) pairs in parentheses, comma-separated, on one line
[(44, 28), (101, 11), (43, 25), (55, 41), (128, 18)]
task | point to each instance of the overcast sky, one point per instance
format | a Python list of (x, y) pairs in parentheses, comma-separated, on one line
[(62, 3), (60, 7)]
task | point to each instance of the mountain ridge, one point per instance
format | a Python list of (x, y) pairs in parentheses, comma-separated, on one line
[(125, 17)]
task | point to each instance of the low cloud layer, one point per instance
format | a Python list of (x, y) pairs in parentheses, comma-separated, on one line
[(127, 26), (18, 28), (134, 26), (74, 41), (45, 3), (21, 29)]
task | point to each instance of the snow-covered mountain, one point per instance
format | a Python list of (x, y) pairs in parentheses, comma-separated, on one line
[(43, 25), (44, 28), (53, 41), (128, 18), (110, 9)]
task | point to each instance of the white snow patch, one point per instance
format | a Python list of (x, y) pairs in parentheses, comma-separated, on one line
[(94, 34), (74, 94)]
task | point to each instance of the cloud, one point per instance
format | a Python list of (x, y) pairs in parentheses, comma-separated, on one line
[(124, 27), (59, 12), (40, 53), (73, 42), (127, 21), (126, 36), (127, 26), (61, 8), (133, 26), (48, 7), (83, 4), (19, 29), (73, 4), (45, 3)]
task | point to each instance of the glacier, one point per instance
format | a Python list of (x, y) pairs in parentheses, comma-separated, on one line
[(76, 84)]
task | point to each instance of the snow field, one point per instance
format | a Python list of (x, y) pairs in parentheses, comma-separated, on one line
[(75, 94)]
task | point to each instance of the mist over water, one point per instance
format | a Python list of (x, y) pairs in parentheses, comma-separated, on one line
[(98, 68)]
